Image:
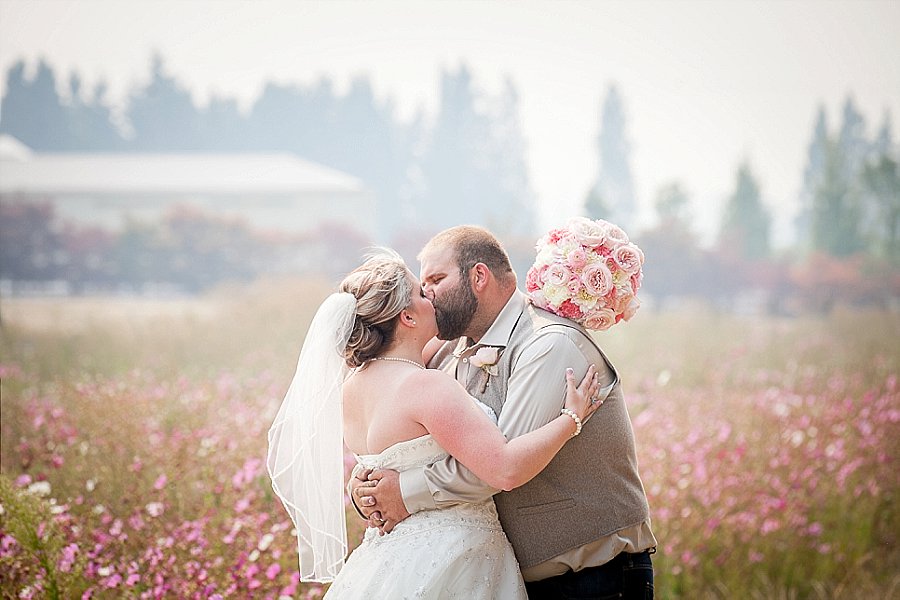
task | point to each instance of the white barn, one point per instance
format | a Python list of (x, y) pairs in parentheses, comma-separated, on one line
[(270, 192)]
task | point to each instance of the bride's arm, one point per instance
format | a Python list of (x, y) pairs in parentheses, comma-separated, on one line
[(466, 433)]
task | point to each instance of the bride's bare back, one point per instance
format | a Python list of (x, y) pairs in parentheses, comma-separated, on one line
[(376, 408)]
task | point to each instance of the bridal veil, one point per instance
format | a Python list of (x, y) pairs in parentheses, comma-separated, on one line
[(305, 457)]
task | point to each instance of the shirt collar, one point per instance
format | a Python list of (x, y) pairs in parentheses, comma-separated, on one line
[(501, 329)]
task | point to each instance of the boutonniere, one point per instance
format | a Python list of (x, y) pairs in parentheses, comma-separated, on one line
[(486, 359)]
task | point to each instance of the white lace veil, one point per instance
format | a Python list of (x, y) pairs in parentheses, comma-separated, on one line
[(305, 459)]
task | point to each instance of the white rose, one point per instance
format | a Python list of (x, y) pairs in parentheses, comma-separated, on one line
[(556, 294), (545, 256), (537, 296), (585, 302)]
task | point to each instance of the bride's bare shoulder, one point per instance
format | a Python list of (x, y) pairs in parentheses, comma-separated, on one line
[(431, 387)]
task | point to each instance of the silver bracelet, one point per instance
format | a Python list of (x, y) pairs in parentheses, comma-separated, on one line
[(571, 413)]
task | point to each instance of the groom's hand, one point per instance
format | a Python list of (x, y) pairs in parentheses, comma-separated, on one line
[(385, 498), (358, 484)]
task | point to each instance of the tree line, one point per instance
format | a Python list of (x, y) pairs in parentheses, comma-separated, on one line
[(468, 160), (847, 232)]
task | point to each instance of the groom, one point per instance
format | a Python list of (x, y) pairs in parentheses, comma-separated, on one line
[(582, 526)]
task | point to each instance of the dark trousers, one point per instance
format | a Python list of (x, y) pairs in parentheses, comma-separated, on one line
[(627, 576)]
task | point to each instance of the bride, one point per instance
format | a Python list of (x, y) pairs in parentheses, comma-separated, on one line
[(393, 413)]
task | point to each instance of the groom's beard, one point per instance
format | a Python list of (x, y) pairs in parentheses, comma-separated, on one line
[(454, 312)]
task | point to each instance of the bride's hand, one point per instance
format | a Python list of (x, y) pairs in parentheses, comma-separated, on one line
[(582, 398)]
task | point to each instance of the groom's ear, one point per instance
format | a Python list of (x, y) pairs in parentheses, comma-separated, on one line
[(479, 276)]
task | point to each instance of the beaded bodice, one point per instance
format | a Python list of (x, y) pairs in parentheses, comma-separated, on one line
[(419, 452)]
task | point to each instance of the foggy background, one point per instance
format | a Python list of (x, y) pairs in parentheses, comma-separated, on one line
[(183, 182), (749, 145)]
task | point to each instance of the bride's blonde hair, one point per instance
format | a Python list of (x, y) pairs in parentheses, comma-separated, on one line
[(383, 287)]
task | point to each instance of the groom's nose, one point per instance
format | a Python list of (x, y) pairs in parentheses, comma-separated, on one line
[(428, 291)]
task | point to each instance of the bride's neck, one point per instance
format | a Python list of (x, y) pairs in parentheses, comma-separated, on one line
[(410, 349)]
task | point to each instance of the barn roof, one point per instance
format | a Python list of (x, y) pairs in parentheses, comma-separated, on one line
[(132, 173)]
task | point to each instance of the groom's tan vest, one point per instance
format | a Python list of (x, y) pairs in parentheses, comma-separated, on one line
[(591, 489)]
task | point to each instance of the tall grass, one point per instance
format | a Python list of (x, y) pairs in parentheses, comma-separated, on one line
[(133, 446)]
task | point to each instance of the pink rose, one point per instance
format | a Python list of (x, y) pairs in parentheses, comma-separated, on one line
[(633, 305), (617, 302), (615, 236), (636, 280), (588, 233), (577, 258), (574, 285), (557, 274), (597, 279), (629, 258), (600, 320)]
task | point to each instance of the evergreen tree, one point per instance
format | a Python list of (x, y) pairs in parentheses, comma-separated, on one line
[(813, 175), (32, 110), (853, 146), (674, 266), (884, 141), (873, 179), (673, 206), (163, 115), (222, 126), (512, 213), (746, 222), (614, 180), (274, 120), (381, 155), (455, 164), (836, 210), (595, 205), (882, 179), (90, 121)]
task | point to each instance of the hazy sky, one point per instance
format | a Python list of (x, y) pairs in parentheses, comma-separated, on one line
[(705, 84)]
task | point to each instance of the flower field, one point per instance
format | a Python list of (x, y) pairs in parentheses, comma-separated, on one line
[(133, 449)]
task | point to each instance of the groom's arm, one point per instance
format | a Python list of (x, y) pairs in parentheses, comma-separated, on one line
[(535, 394)]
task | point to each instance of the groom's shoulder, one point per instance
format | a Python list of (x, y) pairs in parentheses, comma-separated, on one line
[(548, 329), (544, 321)]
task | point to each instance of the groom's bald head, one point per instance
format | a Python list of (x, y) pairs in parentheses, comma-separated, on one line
[(471, 245)]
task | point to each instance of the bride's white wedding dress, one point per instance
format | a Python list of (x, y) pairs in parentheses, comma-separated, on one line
[(457, 552)]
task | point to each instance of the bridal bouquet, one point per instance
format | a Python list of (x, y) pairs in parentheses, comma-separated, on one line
[(587, 271)]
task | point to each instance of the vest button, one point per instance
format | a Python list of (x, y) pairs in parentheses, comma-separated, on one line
[(465, 360)]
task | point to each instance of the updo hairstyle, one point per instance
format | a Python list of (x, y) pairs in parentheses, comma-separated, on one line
[(383, 287)]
